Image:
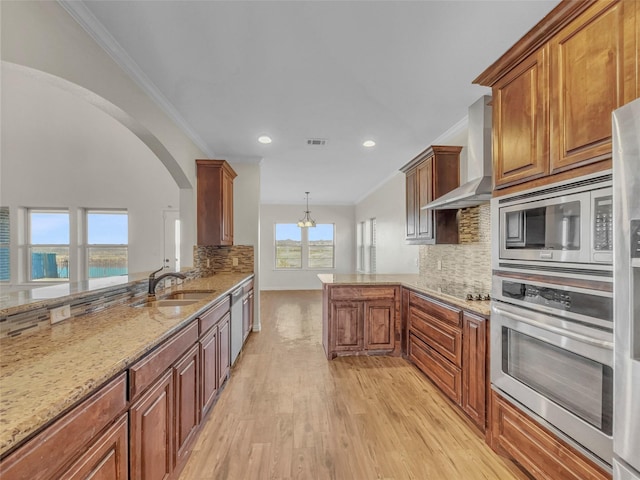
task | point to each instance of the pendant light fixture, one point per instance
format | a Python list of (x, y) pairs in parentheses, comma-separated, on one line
[(307, 221)]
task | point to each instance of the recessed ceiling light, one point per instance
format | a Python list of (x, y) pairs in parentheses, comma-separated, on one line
[(264, 139), (368, 143)]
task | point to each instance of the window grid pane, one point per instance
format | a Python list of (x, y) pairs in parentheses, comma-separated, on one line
[(107, 261), (288, 246), (49, 263), (5, 264), (107, 228), (49, 228), (321, 246)]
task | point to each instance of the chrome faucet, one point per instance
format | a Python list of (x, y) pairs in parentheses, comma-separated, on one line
[(153, 281)]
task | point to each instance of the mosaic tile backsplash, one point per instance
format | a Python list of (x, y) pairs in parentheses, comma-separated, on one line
[(469, 262), (209, 259)]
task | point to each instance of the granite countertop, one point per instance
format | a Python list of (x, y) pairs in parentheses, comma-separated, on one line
[(453, 293), (45, 373)]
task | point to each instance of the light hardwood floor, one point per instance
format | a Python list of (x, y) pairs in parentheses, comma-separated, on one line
[(288, 413)]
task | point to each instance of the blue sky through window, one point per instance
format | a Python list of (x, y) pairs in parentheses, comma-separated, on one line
[(108, 228), (49, 228), (288, 231), (322, 231)]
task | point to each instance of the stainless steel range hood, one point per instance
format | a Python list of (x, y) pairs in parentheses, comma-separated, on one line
[(478, 190)]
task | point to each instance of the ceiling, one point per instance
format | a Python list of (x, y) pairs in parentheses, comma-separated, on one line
[(396, 72)]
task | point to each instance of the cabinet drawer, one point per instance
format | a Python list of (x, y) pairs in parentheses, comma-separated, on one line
[(68, 436), (536, 449), (442, 337), (147, 370), (443, 373), (214, 314), (247, 287), (362, 293), (436, 309)]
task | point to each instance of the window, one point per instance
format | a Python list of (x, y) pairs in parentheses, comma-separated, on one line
[(372, 245), (321, 246), (5, 269), (314, 244), (288, 246), (107, 243), (360, 247), (48, 245)]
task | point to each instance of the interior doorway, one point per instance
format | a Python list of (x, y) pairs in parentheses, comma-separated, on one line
[(171, 247)]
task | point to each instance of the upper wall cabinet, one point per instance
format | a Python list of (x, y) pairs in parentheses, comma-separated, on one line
[(215, 202), (430, 175), (554, 92)]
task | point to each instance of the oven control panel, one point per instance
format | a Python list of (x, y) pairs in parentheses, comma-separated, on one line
[(603, 215), (635, 238), (591, 305)]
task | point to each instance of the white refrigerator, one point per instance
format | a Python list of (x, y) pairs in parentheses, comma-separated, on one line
[(626, 310)]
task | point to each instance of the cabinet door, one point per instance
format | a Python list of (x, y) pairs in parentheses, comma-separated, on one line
[(224, 349), (251, 311), (227, 209), (209, 357), (347, 326), (520, 136), (379, 325), (411, 203), (474, 368), (187, 407), (587, 84), (151, 434), (108, 457), (246, 313), (425, 195)]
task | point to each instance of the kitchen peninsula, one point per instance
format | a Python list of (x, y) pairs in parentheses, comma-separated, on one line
[(85, 382), (440, 327)]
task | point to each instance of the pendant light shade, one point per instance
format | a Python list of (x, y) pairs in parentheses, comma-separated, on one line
[(307, 221)]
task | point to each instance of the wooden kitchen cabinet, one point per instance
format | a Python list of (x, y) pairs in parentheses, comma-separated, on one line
[(224, 349), (209, 355), (152, 431), (474, 368), (430, 175), (520, 122), (554, 92), (540, 452), (215, 202), (435, 343), (186, 374), (108, 457), (81, 438), (247, 310), (361, 320)]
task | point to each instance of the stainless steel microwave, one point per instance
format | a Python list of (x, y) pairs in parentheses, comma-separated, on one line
[(569, 222)]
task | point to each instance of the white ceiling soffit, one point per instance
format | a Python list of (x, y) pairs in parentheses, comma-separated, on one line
[(398, 73)]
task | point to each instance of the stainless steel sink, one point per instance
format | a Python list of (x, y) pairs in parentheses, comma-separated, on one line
[(191, 295), (169, 302)]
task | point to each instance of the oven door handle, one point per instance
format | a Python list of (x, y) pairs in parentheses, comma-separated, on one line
[(559, 331)]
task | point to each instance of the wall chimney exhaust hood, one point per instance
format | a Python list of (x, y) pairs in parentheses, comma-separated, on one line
[(477, 190)]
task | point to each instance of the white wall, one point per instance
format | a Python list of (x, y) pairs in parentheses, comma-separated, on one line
[(246, 218), (60, 151), (341, 216), (387, 205), (42, 36)]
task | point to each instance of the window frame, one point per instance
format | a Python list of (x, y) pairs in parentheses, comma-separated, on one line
[(105, 246), (304, 250), (29, 245)]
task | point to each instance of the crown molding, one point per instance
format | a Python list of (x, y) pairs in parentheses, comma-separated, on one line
[(87, 20)]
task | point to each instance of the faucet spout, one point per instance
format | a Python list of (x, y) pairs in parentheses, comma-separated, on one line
[(153, 281)]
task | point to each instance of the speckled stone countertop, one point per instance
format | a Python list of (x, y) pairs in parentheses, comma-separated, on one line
[(415, 282), (45, 373)]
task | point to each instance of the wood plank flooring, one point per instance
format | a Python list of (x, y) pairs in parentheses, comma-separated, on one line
[(288, 413)]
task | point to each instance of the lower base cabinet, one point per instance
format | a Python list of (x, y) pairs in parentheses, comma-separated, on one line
[(107, 459), (186, 375), (361, 320), (540, 452), (475, 377), (152, 439)]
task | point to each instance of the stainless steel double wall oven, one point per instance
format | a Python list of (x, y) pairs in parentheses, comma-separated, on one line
[(552, 308)]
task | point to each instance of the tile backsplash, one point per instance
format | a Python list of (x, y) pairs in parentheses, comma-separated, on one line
[(210, 259), (468, 262)]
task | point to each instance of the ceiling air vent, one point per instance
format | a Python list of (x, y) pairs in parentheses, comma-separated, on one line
[(317, 142)]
